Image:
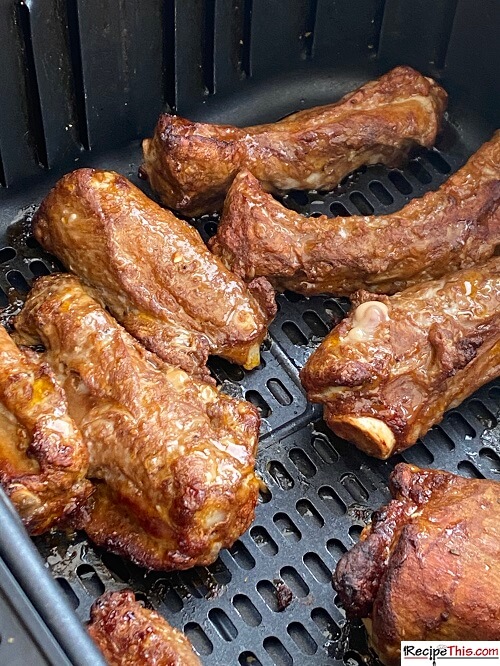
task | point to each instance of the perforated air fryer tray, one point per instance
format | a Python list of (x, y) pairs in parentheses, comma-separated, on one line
[(268, 600)]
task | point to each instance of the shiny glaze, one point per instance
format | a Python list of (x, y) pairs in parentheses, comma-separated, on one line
[(191, 165), (454, 227), (43, 458), (153, 271), (130, 635), (428, 566), (171, 457), (439, 342)]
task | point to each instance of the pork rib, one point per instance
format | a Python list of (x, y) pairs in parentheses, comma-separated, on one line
[(428, 566), (172, 458), (130, 635), (191, 165), (153, 271), (43, 458), (390, 370), (454, 227)]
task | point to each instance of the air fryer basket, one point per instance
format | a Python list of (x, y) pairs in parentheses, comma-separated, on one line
[(92, 74)]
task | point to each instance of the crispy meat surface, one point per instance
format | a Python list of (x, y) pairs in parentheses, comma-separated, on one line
[(390, 370), (172, 458), (454, 227), (130, 635), (153, 271), (43, 458), (191, 165), (428, 566)]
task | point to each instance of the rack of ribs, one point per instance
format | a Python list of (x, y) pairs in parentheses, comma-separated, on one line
[(428, 565), (390, 370), (43, 458), (454, 227), (171, 458), (153, 271), (191, 165), (130, 635)]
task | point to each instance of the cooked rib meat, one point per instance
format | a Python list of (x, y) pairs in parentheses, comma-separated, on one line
[(455, 227), (43, 459), (191, 165), (428, 566), (390, 370), (153, 271), (171, 456), (130, 635)]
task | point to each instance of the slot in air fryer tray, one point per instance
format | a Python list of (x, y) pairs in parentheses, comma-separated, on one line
[(78, 74), (268, 600)]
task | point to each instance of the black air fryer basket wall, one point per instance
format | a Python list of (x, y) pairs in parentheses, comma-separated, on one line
[(81, 81)]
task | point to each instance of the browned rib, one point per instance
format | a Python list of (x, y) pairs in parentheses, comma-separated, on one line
[(43, 458), (428, 566), (454, 227), (153, 271), (130, 635), (172, 458), (390, 370), (191, 165)]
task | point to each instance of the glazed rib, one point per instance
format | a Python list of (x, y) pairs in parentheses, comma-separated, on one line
[(43, 459), (191, 165), (428, 566), (130, 635), (454, 227), (153, 271), (390, 370), (171, 457)]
